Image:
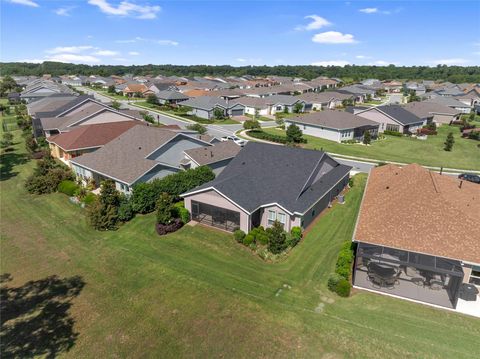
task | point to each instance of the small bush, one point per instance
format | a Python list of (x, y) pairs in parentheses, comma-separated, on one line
[(392, 133), (183, 214), (296, 236), (249, 239), (251, 124), (344, 261), (343, 288), (333, 280), (239, 235), (125, 210), (89, 198), (351, 182), (267, 136), (163, 229), (68, 187)]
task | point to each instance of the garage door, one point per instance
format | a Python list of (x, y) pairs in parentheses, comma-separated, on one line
[(237, 112)]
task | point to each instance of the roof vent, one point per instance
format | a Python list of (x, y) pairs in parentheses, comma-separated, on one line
[(243, 163), (388, 187), (139, 147)]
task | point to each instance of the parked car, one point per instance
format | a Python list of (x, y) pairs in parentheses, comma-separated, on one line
[(235, 139), (470, 177)]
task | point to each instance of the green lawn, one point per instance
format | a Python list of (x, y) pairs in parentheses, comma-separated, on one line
[(465, 153), (197, 293)]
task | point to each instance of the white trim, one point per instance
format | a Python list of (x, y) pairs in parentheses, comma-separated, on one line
[(156, 164), (311, 174), (74, 107), (183, 195), (101, 173)]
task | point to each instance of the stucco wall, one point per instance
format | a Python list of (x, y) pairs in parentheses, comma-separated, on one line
[(321, 132), (379, 117), (443, 119)]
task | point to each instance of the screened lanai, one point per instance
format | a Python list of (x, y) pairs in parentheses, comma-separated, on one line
[(416, 276)]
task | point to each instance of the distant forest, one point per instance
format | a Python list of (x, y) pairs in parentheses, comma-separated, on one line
[(455, 74)]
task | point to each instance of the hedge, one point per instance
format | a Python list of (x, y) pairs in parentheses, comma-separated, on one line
[(239, 235), (392, 133), (267, 136), (68, 187), (345, 261), (145, 195)]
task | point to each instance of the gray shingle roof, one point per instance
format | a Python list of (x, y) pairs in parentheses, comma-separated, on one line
[(205, 102), (262, 174), (124, 157), (171, 95), (212, 154), (447, 101), (338, 120), (400, 114), (427, 109)]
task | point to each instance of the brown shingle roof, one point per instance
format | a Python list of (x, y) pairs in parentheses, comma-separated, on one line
[(211, 154), (91, 135), (428, 109), (333, 119), (417, 210)]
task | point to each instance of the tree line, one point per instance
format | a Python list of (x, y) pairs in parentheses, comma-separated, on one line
[(455, 74)]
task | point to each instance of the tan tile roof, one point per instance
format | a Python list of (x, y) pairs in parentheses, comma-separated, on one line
[(417, 210), (135, 88), (91, 135)]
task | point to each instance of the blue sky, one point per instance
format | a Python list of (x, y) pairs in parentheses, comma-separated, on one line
[(241, 32)]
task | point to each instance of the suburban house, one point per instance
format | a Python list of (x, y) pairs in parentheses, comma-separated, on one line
[(87, 112), (360, 92), (451, 102), (430, 111), (171, 97), (140, 154), (204, 107), (334, 125), (136, 90), (318, 101), (43, 88), (265, 183), (271, 105), (85, 139), (393, 86), (217, 157), (393, 118), (470, 98), (414, 86), (417, 237)]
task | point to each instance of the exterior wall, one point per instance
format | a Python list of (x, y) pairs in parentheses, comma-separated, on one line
[(321, 132), (213, 198), (443, 119), (323, 203), (261, 112), (382, 119), (264, 217), (156, 173), (172, 152), (105, 117), (202, 113)]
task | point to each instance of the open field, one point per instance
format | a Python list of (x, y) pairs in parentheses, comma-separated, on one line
[(196, 293), (464, 155)]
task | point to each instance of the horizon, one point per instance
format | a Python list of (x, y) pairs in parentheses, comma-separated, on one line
[(141, 32)]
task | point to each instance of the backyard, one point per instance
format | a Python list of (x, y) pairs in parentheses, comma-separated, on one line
[(194, 293), (464, 155)]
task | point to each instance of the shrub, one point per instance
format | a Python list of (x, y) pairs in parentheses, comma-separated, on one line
[(239, 235), (145, 195), (296, 233), (426, 131), (125, 210), (249, 239), (197, 127), (251, 124), (344, 261), (294, 134), (166, 213), (46, 180), (343, 288), (89, 198), (333, 280), (392, 133), (474, 135), (68, 187), (163, 229), (267, 136), (102, 217), (277, 238), (184, 215), (449, 142), (351, 182), (259, 235)]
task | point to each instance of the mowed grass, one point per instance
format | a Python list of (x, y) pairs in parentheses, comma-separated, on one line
[(464, 155), (197, 293)]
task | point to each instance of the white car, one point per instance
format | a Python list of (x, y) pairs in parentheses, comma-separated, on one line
[(235, 139)]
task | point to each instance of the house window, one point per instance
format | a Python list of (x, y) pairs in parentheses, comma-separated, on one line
[(271, 217), (391, 127), (281, 218), (279, 108), (313, 213), (475, 276)]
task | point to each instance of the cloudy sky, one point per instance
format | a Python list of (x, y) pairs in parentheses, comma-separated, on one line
[(241, 32)]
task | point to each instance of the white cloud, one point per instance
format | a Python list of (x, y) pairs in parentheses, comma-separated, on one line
[(63, 11), (25, 2), (317, 23), (81, 59), (369, 10), (142, 39), (133, 53), (241, 60), (69, 49), (330, 63), (106, 53), (452, 61), (126, 8), (333, 37), (248, 60), (363, 57)]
